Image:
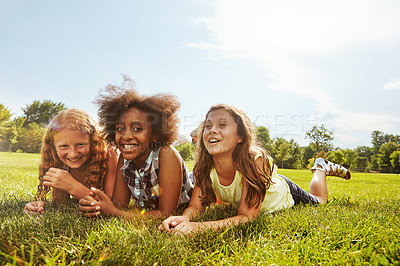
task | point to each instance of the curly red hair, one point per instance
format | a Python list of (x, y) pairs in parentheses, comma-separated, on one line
[(97, 166)]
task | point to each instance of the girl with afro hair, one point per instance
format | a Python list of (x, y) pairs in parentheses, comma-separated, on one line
[(150, 170)]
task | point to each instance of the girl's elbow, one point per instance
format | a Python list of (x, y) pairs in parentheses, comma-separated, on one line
[(253, 216), (166, 212), (250, 215)]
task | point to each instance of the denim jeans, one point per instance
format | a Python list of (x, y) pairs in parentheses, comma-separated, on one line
[(300, 196)]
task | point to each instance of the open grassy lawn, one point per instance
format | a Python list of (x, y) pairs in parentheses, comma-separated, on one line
[(360, 226)]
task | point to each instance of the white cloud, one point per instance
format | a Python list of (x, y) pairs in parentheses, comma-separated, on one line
[(274, 34), (392, 85), (284, 36), (349, 126)]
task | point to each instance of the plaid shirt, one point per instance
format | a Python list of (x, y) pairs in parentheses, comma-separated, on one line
[(144, 182)]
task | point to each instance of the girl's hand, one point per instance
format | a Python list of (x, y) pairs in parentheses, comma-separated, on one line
[(88, 206), (180, 225), (103, 205), (171, 222), (34, 207), (59, 178), (188, 227)]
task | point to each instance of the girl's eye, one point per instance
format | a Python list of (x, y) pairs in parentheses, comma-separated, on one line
[(222, 125), (137, 129), (207, 126), (63, 147), (82, 144), (119, 129)]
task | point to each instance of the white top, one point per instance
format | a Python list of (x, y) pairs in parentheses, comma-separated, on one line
[(277, 197)]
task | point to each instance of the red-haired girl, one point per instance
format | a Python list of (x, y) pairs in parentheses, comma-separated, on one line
[(75, 157)]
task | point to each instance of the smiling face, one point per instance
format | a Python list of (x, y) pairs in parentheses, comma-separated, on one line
[(133, 135), (220, 135), (72, 147)]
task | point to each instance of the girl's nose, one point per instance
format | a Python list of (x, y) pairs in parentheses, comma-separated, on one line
[(73, 152), (127, 135)]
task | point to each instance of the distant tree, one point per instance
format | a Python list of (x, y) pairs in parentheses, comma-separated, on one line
[(5, 114), (7, 134), (392, 138), (395, 160), (283, 152), (14, 128), (306, 153), (336, 157), (374, 162), (320, 138), (364, 151), (349, 157), (384, 155), (186, 150), (29, 138), (286, 153), (361, 164), (41, 112), (264, 138), (377, 140)]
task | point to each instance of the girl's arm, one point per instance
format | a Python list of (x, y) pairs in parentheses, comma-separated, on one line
[(122, 194), (192, 211), (109, 182), (64, 184), (244, 215), (170, 186), (170, 182), (60, 179), (195, 207), (91, 207)]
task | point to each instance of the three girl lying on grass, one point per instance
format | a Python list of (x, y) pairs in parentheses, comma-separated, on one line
[(231, 167)]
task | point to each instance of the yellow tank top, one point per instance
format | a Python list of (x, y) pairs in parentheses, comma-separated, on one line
[(277, 197)]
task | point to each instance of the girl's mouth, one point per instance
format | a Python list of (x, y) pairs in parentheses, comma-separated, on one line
[(128, 147), (74, 160), (213, 141)]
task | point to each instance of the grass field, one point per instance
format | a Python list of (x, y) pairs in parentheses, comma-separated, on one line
[(360, 226)]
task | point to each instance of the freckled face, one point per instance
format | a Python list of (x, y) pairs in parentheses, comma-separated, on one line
[(133, 135), (72, 147), (220, 135)]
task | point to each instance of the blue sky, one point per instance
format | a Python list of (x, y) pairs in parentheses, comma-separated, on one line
[(288, 64)]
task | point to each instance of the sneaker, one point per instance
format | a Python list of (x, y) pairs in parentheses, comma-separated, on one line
[(331, 169)]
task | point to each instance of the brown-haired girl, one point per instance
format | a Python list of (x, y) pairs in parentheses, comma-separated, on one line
[(150, 169), (232, 168), (75, 157)]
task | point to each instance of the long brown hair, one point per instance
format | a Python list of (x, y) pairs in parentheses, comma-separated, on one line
[(97, 166), (258, 179)]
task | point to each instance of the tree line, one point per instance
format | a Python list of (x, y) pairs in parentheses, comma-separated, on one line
[(25, 133), (383, 156)]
